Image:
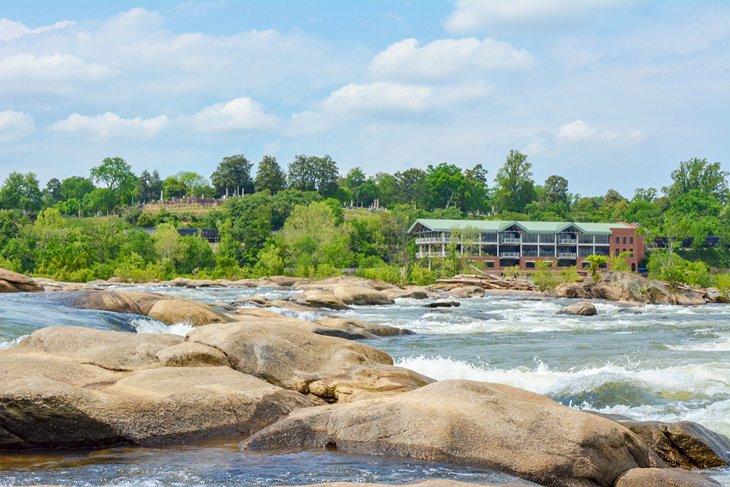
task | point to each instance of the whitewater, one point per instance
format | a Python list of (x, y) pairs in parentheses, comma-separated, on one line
[(664, 363)]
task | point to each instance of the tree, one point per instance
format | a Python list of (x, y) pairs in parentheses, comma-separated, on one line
[(195, 184), (233, 176), (149, 186), (413, 188), (645, 194), (446, 183), (270, 176), (113, 171), (76, 187), (354, 182), (515, 187), (311, 173), (21, 192), (172, 187), (52, 193), (387, 189), (698, 174), (250, 220), (556, 190), (475, 198)]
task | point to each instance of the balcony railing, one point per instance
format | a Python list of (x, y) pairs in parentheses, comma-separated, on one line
[(421, 255), (567, 255), (428, 240), (514, 240), (510, 255), (568, 241)]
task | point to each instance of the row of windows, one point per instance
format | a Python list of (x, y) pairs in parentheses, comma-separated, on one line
[(623, 240)]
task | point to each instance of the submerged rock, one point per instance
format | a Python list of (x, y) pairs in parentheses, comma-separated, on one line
[(444, 304), (492, 425), (13, 282), (663, 477), (584, 308)]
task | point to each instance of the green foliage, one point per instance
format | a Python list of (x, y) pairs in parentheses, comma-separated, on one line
[(312, 173), (233, 176), (515, 187), (20, 192), (546, 278), (676, 270), (511, 272), (620, 262), (270, 177)]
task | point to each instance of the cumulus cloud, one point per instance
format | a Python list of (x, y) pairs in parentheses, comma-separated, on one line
[(477, 15), (446, 58), (580, 132), (15, 125), (110, 125), (238, 114), (48, 67), (10, 29)]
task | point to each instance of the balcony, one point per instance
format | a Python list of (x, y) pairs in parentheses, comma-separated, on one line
[(567, 241), (511, 240), (421, 255), (510, 255), (567, 255), (430, 240)]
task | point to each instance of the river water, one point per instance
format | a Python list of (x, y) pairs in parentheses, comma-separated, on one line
[(664, 363)]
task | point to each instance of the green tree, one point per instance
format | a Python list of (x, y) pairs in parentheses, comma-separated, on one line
[(250, 225), (174, 188), (311, 173), (52, 193), (446, 184), (233, 176), (354, 182), (167, 241), (115, 172), (515, 187), (149, 186), (270, 176), (387, 189), (413, 187), (195, 184), (475, 197), (698, 174), (556, 190), (76, 187), (21, 192)]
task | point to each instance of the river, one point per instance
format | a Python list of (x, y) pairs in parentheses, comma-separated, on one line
[(664, 363)]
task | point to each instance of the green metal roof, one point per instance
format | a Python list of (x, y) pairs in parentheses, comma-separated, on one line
[(529, 227)]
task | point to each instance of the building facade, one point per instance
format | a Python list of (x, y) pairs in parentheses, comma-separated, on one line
[(501, 244)]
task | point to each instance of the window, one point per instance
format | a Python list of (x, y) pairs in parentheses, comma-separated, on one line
[(530, 265), (631, 240), (618, 240), (617, 252), (489, 264), (624, 240)]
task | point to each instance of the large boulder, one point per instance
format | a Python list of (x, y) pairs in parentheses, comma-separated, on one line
[(426, 483), (184, 311), (412, 292), (491, 425), (361, 295), (357, 329), (315, 298), (683, 444), (56, 392), (466, 292), (664, 477), (12, 282), (294, 358)]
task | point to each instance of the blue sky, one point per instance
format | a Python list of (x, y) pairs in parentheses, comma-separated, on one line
[(608, 93)]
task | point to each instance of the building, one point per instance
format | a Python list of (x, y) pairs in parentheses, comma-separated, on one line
[(501, 244)]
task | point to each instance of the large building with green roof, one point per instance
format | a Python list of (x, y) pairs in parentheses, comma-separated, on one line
[(498, 244)]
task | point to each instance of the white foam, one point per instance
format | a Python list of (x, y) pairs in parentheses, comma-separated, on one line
[(5, 344), (721, 345), (147, 325)]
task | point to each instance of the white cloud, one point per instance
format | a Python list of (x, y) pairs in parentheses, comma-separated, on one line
[(14, 125), (477, 15), (379, 97), (52, 66), (10, 29), (238, 114), (446, 58), (581, 132), (110, 125)]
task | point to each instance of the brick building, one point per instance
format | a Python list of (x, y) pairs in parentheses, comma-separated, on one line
[(500, 244)]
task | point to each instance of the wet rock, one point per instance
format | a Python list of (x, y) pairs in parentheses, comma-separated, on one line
[(664, 477), (293, 358), (408, 293), (426, 483), (583, 308), (495, 425), (444, 304), (13, 282), (320, 299), (189, 354), (361, 295), (359, 329), (683, 444)]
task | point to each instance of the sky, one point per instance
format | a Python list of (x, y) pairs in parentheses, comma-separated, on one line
[(611, 94)]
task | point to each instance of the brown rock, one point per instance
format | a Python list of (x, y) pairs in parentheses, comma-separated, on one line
[(361, 295), (663, 477), (319, 299), (13, 282), (444, 304), (408, 293), (467, 292), (191, 354), (584, 308), (493, 425), (353, 329), (425, 483), (172, 311)]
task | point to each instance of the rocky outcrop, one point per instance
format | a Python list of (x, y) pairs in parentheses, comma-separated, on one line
[(492, 425), (466, 292), (295, 359), (444, 304), (664, 477), (584, 308), (319, 299), (684, 444), (12, 282), (159, 306), (356, 329), (411, 292), (70, 387), (361, 295), (629, 287), (426, 483)]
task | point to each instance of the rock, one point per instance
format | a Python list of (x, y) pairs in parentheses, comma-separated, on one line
[(107, 300), (663, 477), (13, 282), (425, 483), (467, 292), (361, 295), (287, 281), (364, 382), (183, 311), (293, 358), (408, 293), (68, 387), (320, 299), (191, 354), (353, 329), (584, 308), (714, 295), (686, 297), (111, 350), (467, 422), (684, 444), (444, 304)]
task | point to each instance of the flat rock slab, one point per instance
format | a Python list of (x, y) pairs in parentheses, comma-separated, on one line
[(13, 282), (491, 425), (664, 477)]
